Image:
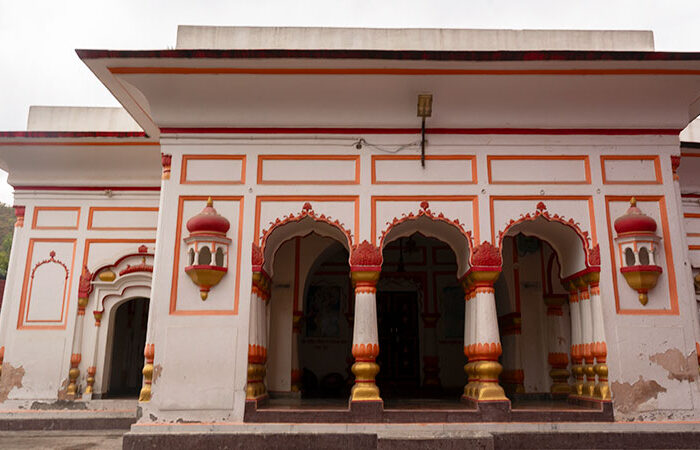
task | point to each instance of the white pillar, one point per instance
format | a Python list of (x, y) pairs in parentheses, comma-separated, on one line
[(586, 336), (257, 337), (576, 340), (365, 265), (599, 348)]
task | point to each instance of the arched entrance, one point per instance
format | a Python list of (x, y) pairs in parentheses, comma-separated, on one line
[(130, 322), (420, 307), (550, 312), (296, 318)]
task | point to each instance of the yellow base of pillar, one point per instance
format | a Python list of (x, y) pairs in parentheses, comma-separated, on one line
[(255, 389), (487, 388), (589, 386), (602, 389), (577, 387), (560, 381), (365, 388)]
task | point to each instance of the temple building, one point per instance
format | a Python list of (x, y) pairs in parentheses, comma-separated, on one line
[(362, 225)]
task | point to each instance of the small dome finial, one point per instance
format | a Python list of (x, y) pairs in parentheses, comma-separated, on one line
[(210, 202), (633, 201)]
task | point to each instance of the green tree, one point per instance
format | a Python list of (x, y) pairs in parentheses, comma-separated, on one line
[(7, 228)]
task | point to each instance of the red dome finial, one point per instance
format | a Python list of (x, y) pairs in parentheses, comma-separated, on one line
[(634, 221), (208, 221)]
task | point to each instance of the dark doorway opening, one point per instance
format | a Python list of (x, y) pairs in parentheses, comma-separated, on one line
[(128, 342), (399, 358)]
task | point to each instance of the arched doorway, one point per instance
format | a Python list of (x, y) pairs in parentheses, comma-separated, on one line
[(297, 309), (130, 321), (549, 312), (421, 304), (420, 315)]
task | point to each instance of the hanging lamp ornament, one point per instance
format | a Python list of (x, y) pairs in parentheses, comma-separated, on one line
[(637, 242), (207, 248)]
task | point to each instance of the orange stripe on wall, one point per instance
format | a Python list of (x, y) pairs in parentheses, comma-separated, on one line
[(26, 288), (655, 158), (584, 158), (388, 71), (187, 158), (118, 208), (38, 209), (471, 158), (263, 158)]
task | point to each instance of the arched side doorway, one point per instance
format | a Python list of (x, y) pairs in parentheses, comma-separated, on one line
[(128, 339), (278, 297), (107, 290), (550, 304)]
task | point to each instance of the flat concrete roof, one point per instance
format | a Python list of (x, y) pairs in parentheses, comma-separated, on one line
[(72, 118), (425, 39)]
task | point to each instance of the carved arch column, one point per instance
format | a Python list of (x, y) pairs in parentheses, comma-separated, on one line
[(482, 343), (257, 331), (365, 266)]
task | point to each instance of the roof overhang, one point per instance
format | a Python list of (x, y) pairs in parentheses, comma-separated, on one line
[(186, 91)]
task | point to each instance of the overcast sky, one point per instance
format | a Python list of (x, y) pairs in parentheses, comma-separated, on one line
[(38, 38)]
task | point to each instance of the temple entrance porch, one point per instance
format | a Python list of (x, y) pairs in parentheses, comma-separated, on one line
[(405, 364)]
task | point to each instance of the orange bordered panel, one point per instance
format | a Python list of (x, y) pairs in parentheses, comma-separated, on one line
[(56, 218), (668, 277), (439, 169), (101, 218), (46, 286), (538, 169), (631, 169), (213, 169), (309, 169), (230, 207)]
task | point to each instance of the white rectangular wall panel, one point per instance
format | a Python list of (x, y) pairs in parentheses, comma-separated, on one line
[(308, 169), (539, 169), (448, 169), (126, 218), (631, 169)]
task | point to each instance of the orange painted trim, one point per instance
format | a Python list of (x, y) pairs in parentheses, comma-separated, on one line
[(690, 154), (176, 259), (25, 296), (305, 198), (591, 214), (692, 216), (118, 208), (471, 158), (263, 158), (474, 199), (584, 158), (669, 269), (655, 158), (38, 209), (388, 71), (187, 158), (694, 247)]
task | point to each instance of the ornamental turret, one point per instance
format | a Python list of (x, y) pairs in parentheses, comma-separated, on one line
[(207, 248), (637, 242)]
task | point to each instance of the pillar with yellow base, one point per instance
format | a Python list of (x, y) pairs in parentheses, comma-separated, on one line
[(587, 336), (365, 265), (483, 347), (257, 338), (599, 348), (576, 346)]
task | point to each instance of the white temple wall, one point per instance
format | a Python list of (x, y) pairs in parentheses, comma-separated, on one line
[(38, 318), (580, 187)]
